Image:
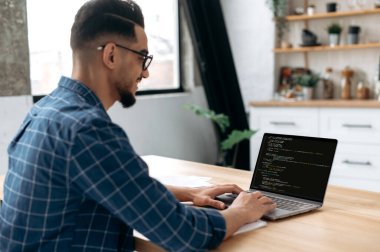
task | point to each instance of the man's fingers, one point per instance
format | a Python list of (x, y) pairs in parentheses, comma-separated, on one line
[(215, 204), (236, 189), (257, 194), (271, 206), (269, 203), (232, 188), (265, 200), (227, 189)]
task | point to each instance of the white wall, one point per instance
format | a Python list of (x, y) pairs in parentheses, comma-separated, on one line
[(251, 33)]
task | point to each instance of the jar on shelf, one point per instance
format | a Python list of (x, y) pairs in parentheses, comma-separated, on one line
[(328, 84), (362, 91), (310, 10), (347, 75)]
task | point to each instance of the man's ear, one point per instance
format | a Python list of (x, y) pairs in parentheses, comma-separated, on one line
[(108, 55)]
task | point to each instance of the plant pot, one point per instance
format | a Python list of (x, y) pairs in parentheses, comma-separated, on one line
[(353, 34), (331, 7), (353, 39), (334, 39), (308, 93)]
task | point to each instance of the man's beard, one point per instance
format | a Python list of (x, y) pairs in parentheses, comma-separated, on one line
[(127, 99)]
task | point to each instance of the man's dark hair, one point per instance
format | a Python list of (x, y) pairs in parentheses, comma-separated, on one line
[(102, 17)]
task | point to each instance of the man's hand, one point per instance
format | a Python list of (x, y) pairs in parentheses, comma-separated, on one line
[(246, 208), (204, 196), (255, 204)]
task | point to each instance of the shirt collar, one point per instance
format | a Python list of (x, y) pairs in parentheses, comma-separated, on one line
[(81, 89)]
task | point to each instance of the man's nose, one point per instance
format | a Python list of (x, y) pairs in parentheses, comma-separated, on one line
[(145, 73)]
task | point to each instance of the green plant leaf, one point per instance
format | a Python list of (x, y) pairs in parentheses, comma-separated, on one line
[(236, 137), (221, 120), (307, 80), (278, 7), (334, 28)]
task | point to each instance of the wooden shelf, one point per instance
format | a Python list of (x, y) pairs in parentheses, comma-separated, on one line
[(333, 15), (319, 103), (326, 48)]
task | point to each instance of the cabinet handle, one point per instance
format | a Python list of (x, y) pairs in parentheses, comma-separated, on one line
[(283, 123), (357, 163), (367, 126)]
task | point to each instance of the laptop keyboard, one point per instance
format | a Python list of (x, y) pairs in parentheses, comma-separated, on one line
[(282, 203), (289, 205)]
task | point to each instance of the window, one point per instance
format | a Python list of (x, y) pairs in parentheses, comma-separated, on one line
[(50, 53)]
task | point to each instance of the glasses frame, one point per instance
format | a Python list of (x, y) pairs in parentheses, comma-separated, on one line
[(147, 58)]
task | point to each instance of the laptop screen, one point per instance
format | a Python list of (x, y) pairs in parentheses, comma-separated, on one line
[(295, 166)]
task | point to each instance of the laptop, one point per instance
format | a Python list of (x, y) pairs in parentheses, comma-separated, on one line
[(293, 171)]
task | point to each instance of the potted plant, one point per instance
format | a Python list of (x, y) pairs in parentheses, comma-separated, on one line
[(278, 8), (308, 82), (334, 31), (231, 143)]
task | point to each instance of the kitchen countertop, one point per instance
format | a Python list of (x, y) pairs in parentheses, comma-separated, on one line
[(319, 103)]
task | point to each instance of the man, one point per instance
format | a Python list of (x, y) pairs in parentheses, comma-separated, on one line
[(74, 181)]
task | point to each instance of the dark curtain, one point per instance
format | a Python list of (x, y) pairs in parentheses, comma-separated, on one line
[(217, 69)]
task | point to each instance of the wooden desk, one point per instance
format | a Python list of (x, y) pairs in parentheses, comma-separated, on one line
[(348, 221)]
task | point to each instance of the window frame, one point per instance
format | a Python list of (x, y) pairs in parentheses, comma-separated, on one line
[(162, 91), (180, 88)]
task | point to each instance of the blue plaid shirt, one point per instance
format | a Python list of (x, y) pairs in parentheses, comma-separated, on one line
[(75, 184)]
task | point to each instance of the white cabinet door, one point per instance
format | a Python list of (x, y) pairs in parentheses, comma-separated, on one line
[(292, 121), (358, 165), (351, 125)]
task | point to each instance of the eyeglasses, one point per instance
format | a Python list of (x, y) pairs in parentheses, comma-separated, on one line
[(147, 58)]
